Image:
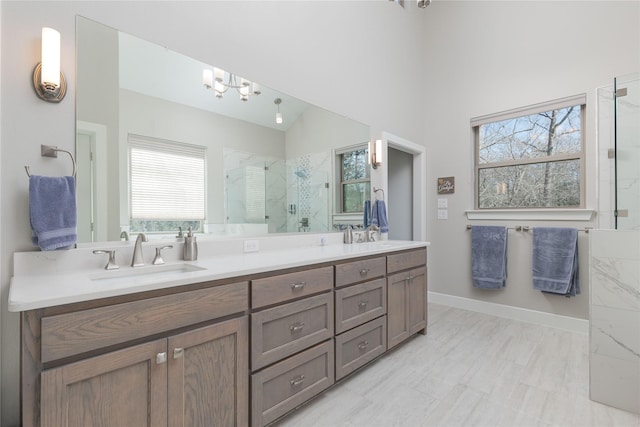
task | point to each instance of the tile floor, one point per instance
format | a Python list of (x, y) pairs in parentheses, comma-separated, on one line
[(470, 369)]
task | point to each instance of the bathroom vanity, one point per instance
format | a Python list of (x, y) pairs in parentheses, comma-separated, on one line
[(232, 340)]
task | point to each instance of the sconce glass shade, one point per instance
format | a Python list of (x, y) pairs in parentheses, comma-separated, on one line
[(48, 80), (375, 153), (279, 118)]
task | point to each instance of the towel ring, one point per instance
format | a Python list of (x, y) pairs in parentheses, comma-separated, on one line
[(375, 190), (52, 151)]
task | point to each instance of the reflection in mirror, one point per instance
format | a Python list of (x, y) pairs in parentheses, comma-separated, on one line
[(257, 176)]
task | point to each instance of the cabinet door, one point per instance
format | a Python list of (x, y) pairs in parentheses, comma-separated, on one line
[(417, 300), (208, 376), (397, 309), (123, 388), (406, 305)]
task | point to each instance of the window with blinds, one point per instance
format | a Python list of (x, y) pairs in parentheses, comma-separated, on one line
[(167, 184)]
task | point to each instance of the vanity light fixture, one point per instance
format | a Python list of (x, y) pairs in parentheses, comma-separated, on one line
[(48, 80), (215, 80), (375, 153), (278, 101)]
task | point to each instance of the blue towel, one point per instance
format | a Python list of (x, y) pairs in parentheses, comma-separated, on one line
[(555, 260), (52, 211), (366, 220), (379, 216), (489, 257)]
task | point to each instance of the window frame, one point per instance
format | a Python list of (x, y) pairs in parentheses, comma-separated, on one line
[(151, 144), (339, 153), (577, 100)]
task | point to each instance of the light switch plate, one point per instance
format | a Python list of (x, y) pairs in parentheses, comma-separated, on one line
[(443, 203), (443, 214)]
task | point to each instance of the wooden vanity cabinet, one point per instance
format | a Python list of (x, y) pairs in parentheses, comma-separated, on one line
[(196, 375), (406, 295)]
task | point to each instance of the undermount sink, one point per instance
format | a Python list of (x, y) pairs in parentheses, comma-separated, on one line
[(153, 271)]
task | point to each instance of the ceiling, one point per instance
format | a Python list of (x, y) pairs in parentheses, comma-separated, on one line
[(156, 71)]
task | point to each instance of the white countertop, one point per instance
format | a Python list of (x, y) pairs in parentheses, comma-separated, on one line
[(35, 290)]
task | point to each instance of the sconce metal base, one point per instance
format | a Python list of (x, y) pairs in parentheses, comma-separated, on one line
[(46, 93)]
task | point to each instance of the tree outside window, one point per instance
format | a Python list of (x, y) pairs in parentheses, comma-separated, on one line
[(532, 160), (355, 182)]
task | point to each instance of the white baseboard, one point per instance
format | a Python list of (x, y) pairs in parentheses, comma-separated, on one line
[(566, 323)]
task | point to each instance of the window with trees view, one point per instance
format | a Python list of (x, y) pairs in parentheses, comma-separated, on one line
[(531, 157), (355, 181)]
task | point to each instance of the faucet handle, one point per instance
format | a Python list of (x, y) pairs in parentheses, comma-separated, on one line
[(111, 264), (158, 259)]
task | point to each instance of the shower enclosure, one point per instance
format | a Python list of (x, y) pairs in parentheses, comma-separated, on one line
[(619, 140), (285, 196)]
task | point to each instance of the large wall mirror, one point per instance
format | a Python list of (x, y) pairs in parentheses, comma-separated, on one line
[(157, 150)]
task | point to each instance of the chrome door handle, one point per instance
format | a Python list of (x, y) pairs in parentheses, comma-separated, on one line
[(178, 353), (296, 327), (161, 358), (296, 381), (298, 286), (362, 305), (363, 345), (364, 271)]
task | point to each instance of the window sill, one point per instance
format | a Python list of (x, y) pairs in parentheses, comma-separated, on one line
[(532, 214)]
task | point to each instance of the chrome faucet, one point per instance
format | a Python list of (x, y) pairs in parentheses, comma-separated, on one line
[(137, 260), (369, 233), (124, 236)]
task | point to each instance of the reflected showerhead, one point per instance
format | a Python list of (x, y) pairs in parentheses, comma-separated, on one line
[(300, 173)]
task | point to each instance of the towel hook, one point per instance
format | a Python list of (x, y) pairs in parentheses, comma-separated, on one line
[(52, 151)]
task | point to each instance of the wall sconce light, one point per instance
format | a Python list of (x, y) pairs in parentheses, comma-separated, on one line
[(501, 188), (278, 101), (48, 80), (375, 153)]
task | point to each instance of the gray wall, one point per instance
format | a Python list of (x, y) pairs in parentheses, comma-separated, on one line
[(418, 74)]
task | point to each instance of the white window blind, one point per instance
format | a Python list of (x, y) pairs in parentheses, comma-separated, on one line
[(166, 179)]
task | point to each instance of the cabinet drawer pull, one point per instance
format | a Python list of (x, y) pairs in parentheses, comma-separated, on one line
[(178, 353), (296, 327), (296, 381), (362, 305), (161, 358), (363, 345), (298, 286), (364, 271)]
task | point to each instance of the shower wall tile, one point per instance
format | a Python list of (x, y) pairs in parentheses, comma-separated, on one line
[(614, 320)]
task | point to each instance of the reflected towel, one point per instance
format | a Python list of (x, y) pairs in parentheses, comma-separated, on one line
[(555, 260), (379, 216), (366, 219), (489, 257), (52, 211)]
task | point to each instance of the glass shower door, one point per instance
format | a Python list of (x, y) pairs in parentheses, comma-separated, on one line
[(627, 151)]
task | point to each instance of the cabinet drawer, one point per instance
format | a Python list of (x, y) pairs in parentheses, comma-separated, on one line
[(404, 260), (358, 304), (359, 346), (357, 271), (74, 333), (284, 330), (285, 385), (285, 287)]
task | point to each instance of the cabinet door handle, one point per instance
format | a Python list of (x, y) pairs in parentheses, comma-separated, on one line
[(178, 353), (296, 327), (362, 305), (364, 271), (363, 345), (161, 358), (298, 286), (296, 381)]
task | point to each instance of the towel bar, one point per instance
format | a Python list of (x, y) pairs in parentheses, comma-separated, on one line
[(52, 151), (527, 228)]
